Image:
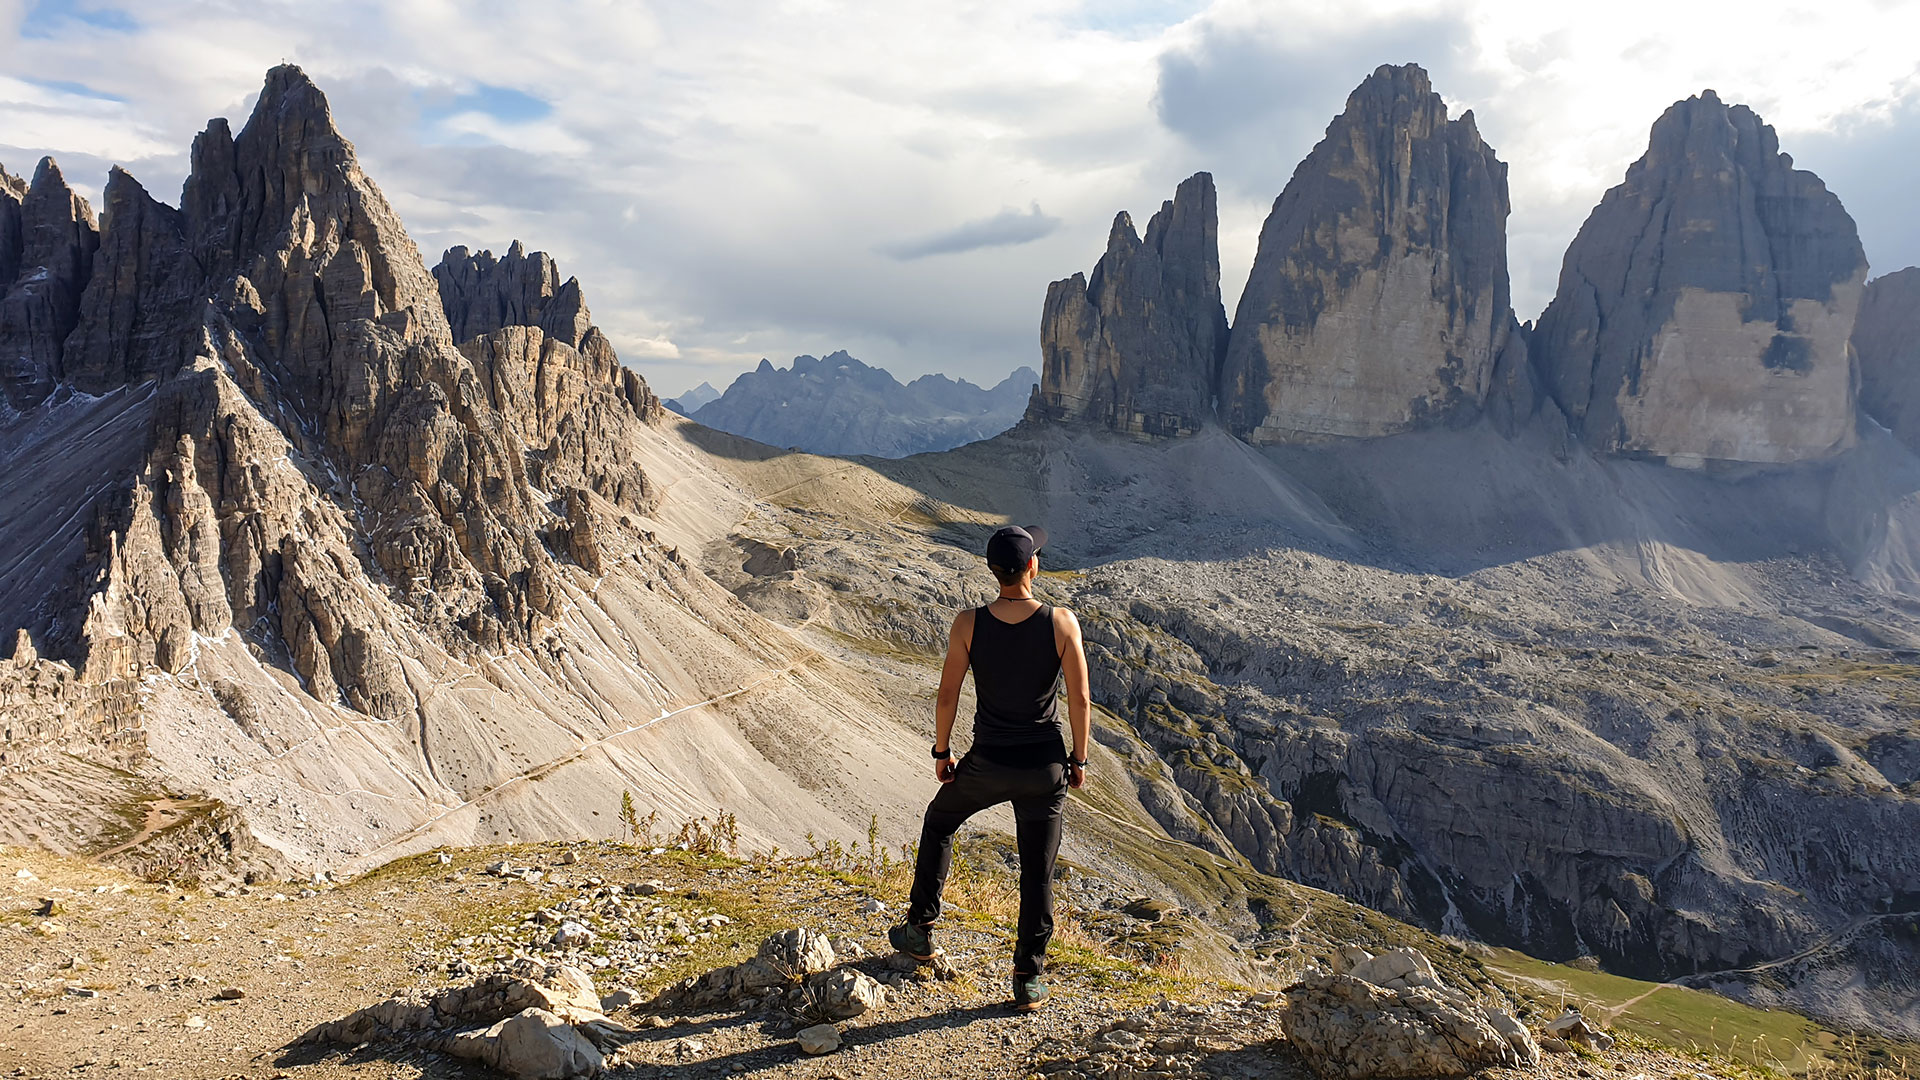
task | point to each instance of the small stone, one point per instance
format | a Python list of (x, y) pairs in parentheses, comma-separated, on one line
[(47, 907), (82, 992), (25, 875), (689, 1047), (231, 993), (819, 1039), (871, 906), (572, 934), (620, 998), (569, 858), (196, 1022)]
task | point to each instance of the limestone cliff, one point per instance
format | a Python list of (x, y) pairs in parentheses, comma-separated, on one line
[(482, 294), (1137, 347), (1704, 308), (321, 469), (1887, 341), (550, 371), (1378, 300), (48, 237), (373, 588)]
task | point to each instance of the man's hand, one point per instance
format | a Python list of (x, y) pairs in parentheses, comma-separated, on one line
[(943, 770), (1076, 776)]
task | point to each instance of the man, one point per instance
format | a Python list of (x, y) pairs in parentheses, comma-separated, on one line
[(1020, 650)]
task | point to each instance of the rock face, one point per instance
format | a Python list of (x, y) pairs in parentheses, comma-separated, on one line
[(1886, 338), (302, 325), (1704, 309), (483, 294), (1351, 1029), (1137, 347), (838, 405), (551, 372), (1378, 300), (48, 238), (138, 318), (317, 335), (245, 424)]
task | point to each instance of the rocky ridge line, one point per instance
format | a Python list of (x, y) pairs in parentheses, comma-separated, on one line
[(1704, 308), (1137, 346), (318, 449), (1378, 300), (838, 405)]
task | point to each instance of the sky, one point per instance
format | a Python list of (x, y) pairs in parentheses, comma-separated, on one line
[(732, 181)]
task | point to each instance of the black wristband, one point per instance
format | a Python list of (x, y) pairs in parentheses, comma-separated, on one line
[(943, 755), (1078, 763)]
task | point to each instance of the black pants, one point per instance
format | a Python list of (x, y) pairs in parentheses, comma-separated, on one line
[(1038, 795)]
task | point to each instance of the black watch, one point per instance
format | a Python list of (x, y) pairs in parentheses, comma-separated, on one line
[(1078, 763), (943, 755)]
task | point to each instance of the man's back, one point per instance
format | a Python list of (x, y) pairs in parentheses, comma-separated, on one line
[(1016, 677)]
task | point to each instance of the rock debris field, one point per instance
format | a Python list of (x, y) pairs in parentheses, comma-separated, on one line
[(613, 960)]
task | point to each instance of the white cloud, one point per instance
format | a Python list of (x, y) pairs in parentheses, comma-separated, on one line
[(731, 180)]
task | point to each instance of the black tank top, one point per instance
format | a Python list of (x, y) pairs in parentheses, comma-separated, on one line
[(1016, 685)]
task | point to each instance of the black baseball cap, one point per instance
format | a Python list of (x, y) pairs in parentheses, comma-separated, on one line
[(1012, 547)]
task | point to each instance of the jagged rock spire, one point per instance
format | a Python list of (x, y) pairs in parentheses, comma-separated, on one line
[(1378, 300), (1136, 347), (57, 237), (139, 314), (291, 182), (13, 191), (481, 294), (1704, 308)]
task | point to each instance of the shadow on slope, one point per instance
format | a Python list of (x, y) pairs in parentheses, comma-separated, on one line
[(1448, 502)]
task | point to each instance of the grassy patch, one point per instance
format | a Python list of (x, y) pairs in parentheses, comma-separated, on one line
[(1689, 1020)]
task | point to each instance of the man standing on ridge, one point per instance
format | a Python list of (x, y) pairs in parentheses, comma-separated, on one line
[(1020, 650)]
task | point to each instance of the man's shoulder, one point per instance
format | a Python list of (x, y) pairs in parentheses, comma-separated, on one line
[(1064, 618)]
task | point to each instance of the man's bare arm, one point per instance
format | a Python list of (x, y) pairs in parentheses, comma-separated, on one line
[(1073, 664), (946, 705)]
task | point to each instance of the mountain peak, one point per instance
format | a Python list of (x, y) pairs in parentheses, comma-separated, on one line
[(840, 404), (481, 294), (1135, 345), (1389, 81), (1393, 230), (1704, 308)]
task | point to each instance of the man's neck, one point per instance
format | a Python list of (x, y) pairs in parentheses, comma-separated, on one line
[(1016, 592)]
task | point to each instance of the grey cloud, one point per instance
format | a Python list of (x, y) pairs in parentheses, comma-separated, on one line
[(1004, 229), (1257, 99), (1871, 165)]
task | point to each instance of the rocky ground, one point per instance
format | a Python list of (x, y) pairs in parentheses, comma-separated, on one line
[(109, 975)]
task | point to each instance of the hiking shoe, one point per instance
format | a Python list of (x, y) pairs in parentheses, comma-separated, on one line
[(1029, 993), (913, 940)]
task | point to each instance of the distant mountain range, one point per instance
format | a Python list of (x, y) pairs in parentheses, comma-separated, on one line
[(686, 403), (841, 406)]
